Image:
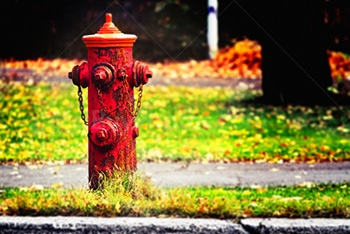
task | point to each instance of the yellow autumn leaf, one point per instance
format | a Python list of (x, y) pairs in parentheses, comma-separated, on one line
[(56, 186), (246, 192), (281, 117), (287, 199)]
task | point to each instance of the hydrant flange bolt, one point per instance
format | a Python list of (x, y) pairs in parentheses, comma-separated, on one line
[(121, 73)]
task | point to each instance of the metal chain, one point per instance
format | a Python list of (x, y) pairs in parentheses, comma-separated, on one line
[(99, 97), (81, 106), (125, 95), (139, 101)]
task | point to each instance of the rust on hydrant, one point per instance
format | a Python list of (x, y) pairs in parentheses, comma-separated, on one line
[(111, 75)]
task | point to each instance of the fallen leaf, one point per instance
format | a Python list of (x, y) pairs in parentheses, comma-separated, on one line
[(56, 186)]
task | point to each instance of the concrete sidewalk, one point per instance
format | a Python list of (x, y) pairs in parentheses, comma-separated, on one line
[(168, 225), (176, 174)]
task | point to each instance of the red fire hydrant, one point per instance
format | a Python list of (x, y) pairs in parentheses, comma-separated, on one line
[(111, 75)]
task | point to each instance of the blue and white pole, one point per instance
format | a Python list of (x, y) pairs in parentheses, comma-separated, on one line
[(212, 33)]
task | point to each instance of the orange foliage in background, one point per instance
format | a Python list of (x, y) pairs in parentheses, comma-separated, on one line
[(242, 60), (340, 65), (44, 68)]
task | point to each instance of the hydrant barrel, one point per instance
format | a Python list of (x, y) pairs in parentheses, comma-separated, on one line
[(110, 75)]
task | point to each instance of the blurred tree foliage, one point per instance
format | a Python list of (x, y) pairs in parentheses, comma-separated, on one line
[(336, 20), (166, 30), (54, 28)]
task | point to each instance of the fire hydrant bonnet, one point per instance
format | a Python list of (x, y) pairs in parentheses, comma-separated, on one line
[(109, 36)]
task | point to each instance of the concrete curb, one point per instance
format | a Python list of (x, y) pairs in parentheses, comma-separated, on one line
[(13, 224), (318, 225), (59, 224)]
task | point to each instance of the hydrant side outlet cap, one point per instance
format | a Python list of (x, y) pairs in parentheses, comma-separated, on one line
[(109, 36)]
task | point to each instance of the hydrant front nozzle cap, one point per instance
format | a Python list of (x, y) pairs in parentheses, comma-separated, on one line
[(109, 36)]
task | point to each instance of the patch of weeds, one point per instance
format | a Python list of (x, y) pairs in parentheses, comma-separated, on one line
[(134, 196)]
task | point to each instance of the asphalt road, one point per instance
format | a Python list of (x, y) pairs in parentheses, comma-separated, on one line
[(176, 174)]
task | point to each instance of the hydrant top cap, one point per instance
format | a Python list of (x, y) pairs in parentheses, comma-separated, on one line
[(109, 36)]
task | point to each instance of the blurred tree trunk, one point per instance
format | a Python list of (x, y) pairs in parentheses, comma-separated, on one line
[(296, 68)]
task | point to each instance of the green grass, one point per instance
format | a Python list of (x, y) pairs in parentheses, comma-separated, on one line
[(132, 195), (42, 123)]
